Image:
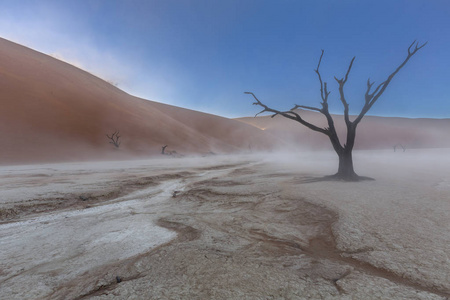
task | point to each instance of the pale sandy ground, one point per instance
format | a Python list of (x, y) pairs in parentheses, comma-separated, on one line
[(228, 227)]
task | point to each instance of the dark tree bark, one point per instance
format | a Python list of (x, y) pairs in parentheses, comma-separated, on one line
[(344, 152)]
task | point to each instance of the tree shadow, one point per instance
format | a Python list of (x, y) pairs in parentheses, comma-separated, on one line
[(312, 179)]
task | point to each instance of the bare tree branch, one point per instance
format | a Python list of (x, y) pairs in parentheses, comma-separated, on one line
[(323, 85), (306, 107), (287, 114), (373, 97), (324, 95), (114, 138), (349, 68), (341, 83), (367, 96)]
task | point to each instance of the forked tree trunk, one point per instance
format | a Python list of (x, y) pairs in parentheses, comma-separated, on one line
[(345, 170)]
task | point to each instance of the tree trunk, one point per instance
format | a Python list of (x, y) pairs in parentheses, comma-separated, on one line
[(346, 171)]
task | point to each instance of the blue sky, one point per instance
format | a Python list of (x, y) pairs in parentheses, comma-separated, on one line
[(203, 54)]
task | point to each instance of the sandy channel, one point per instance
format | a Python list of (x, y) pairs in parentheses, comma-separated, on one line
[(227, 227)]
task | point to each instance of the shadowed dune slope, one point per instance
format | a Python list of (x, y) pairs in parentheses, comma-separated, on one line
[(372, 133), (53, 111)]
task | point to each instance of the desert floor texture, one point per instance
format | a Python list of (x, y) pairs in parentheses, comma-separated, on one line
[(228, 227)]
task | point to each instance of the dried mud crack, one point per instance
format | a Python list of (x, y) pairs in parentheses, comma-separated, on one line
[(234, 244), (121, 187), (238, 236)]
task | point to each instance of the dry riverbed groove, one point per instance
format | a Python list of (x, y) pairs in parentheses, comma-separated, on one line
[(231, 227)]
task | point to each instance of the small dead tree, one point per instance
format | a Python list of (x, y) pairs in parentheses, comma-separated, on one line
[(344, 152), (114, 138), (395, 147), (163, 149)]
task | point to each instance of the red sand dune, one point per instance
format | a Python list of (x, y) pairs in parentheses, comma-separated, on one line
[(53, 111), (372, 133)]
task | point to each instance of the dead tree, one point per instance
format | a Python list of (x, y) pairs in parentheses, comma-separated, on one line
[(395, 147), (114, 138), (344, 152), (163, 149)]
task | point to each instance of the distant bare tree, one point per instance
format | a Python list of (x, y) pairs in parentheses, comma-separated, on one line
[(170, 153), (345, 169), (395, 147), (114, 138)]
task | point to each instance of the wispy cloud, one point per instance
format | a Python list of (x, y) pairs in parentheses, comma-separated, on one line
[(44, 32), (47, 31)]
